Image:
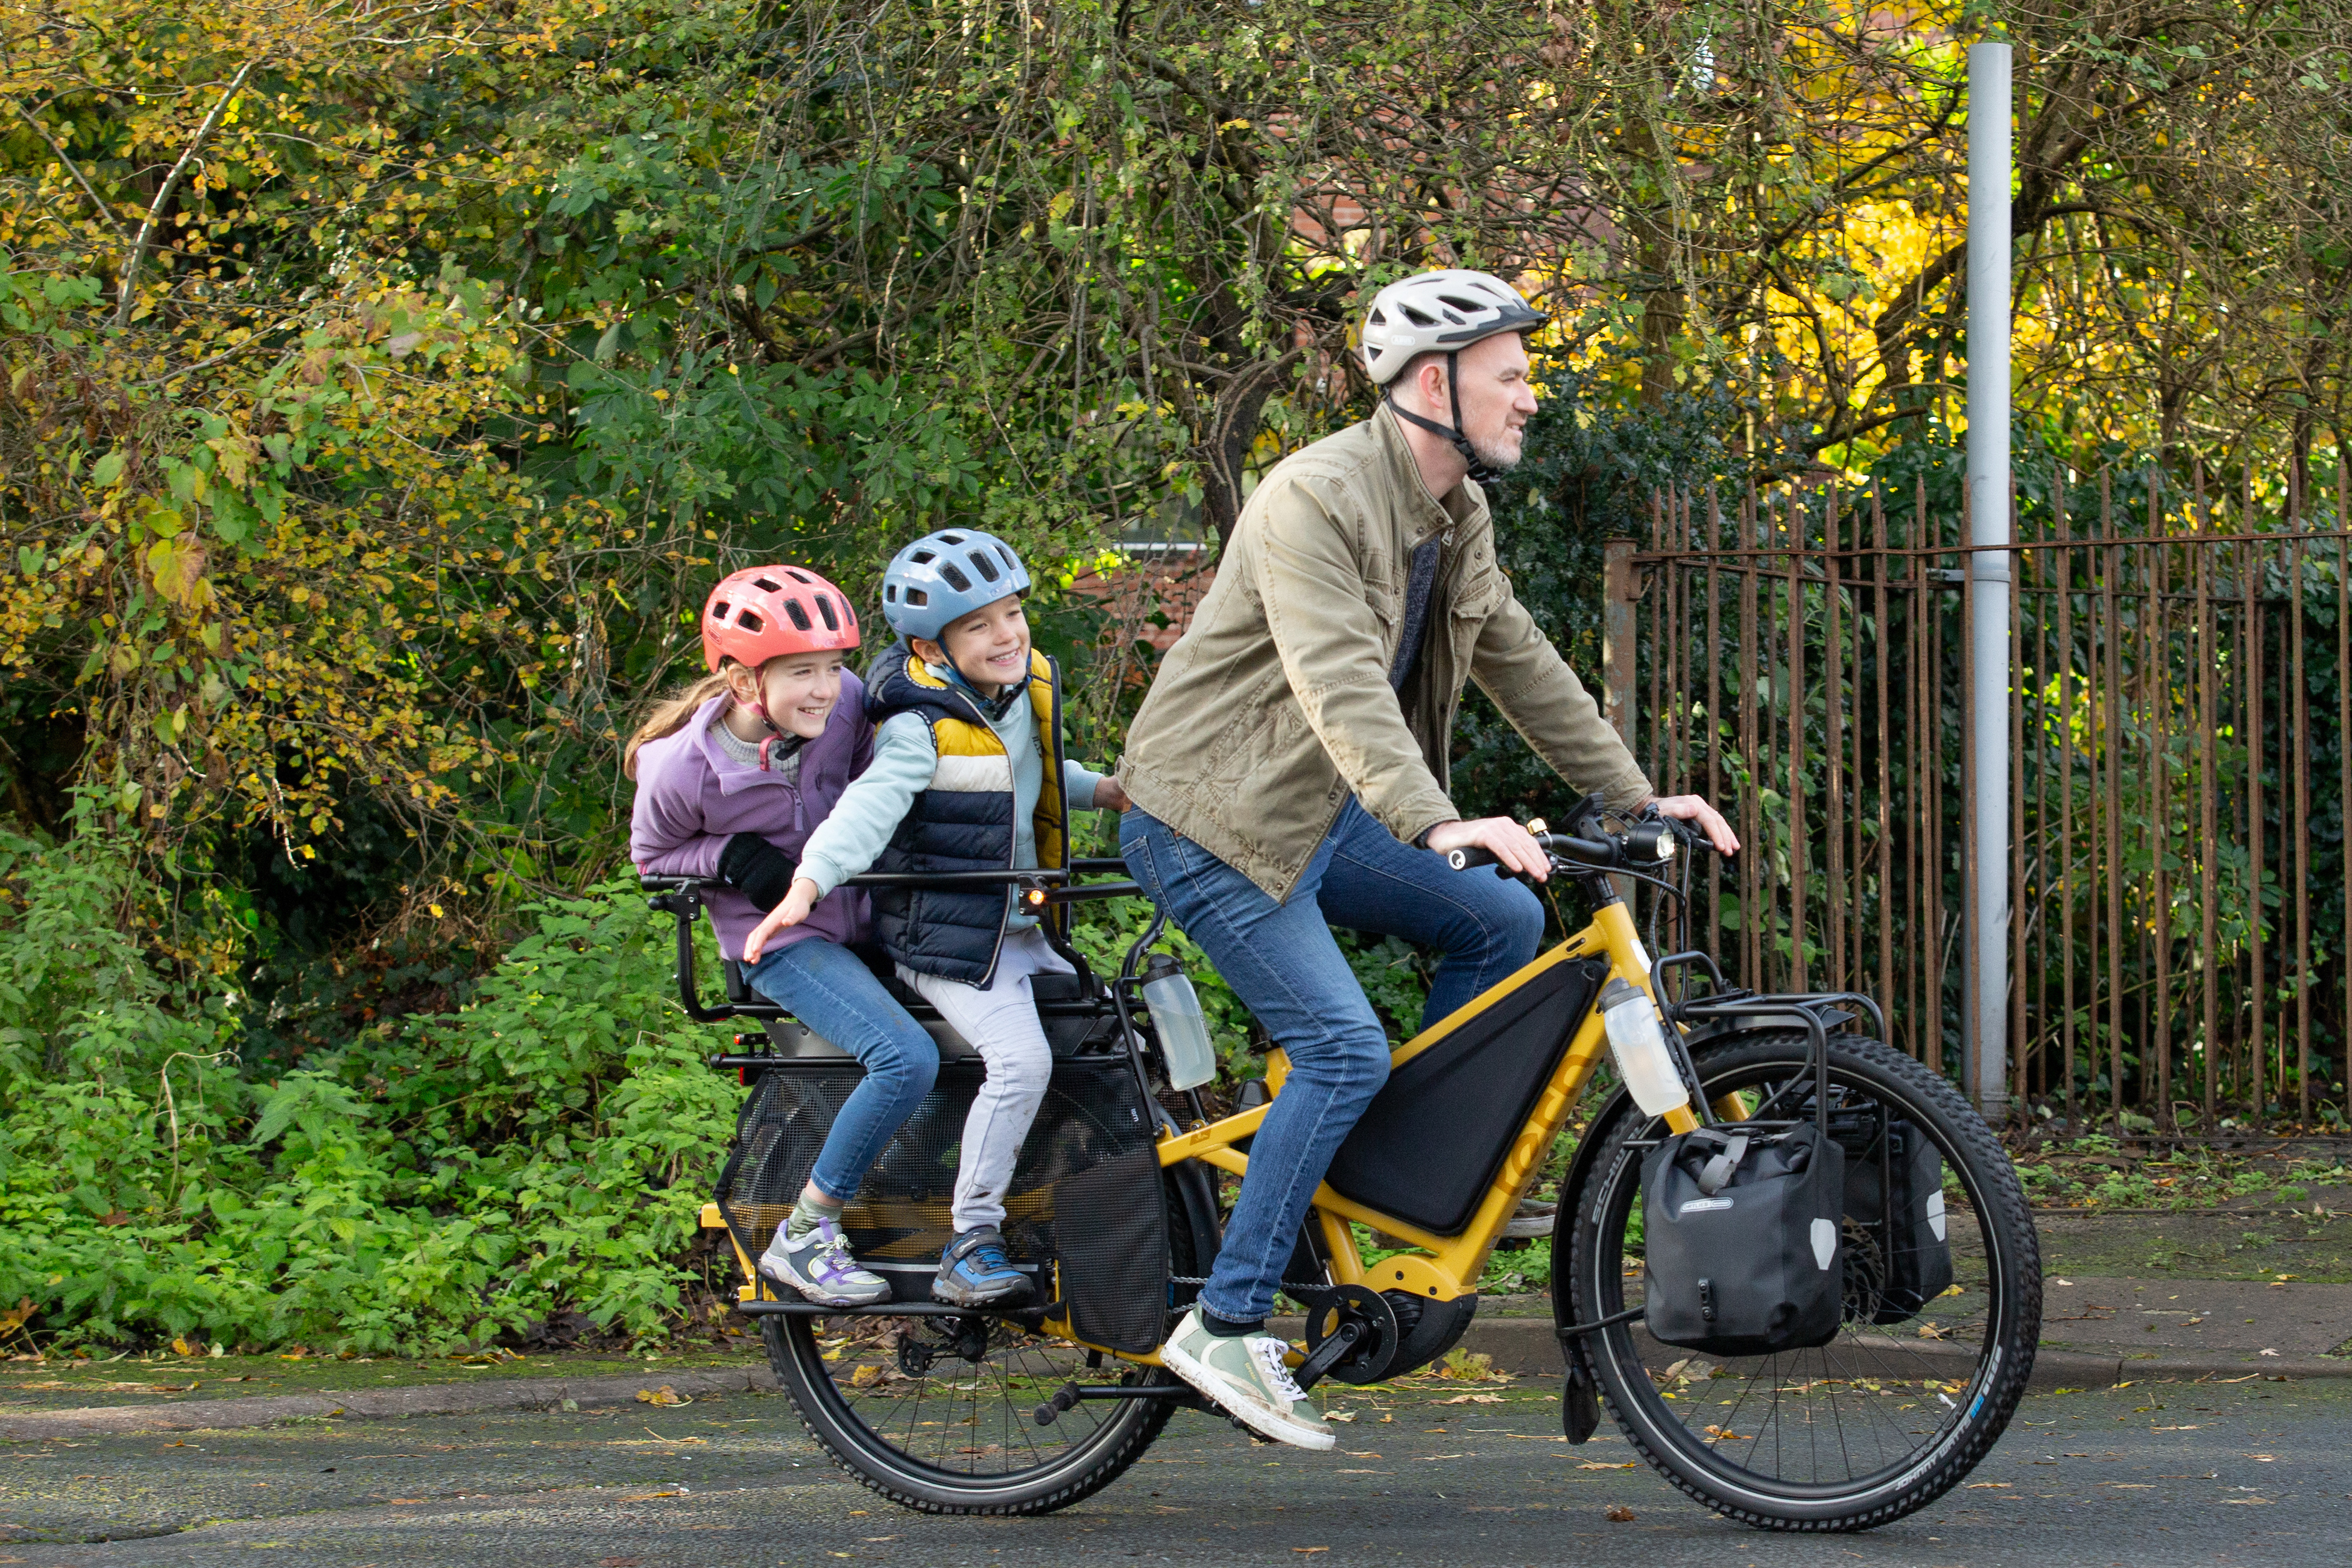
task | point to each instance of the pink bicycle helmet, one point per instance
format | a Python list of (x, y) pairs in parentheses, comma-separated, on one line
[(760, 612)]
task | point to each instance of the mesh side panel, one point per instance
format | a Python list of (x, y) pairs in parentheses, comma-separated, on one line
[(1115, 1264), (899, 1221)]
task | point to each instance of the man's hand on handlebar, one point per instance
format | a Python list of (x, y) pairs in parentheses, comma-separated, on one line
[(1511, 844), (1694, 809), (791, 913)]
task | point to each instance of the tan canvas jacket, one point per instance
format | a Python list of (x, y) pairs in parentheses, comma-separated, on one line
[(1275, 705)]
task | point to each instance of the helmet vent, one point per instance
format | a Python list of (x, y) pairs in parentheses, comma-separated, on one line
[(956, 580), (719, 611), (767, 587), (1472, 306), (825, 611), (918, 598), (748, 622), (983, 565), (950, 539), (922, 557), (798, 576), (799, 617), (1379, 317), (890, 594), (1418, 317), (1010, 563)]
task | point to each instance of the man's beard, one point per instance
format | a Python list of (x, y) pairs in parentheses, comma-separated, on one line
[(1499, 460)]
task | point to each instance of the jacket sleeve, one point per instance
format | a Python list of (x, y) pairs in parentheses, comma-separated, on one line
[(1079, 782), (667, 836), (854, 832), (1321, 620), (1516, 666)]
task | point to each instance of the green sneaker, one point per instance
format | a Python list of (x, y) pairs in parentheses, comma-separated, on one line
[(1245, 1378)]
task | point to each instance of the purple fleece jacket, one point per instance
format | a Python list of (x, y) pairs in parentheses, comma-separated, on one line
[(691, 797)]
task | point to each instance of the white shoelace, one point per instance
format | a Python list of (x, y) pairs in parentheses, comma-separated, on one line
[(1269, 1353)]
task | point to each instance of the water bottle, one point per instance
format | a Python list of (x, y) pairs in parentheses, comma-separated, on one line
[(1639, 1044), (1176, 1015)]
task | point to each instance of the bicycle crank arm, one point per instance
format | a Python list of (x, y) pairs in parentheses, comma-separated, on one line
[(1073, 1393)]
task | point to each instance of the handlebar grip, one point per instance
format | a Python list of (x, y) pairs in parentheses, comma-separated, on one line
[(1470, 857)]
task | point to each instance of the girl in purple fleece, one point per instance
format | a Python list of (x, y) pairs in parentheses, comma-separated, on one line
[(733, 775)]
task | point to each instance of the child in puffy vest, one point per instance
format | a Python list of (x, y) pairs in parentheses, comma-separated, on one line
[(733, 775), (968, 774)]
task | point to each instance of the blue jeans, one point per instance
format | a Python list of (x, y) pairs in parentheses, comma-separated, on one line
[(829, 988), (1281, 960)]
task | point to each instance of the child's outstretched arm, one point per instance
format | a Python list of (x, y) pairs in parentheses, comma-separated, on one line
[(1087, 790), (852, 833)]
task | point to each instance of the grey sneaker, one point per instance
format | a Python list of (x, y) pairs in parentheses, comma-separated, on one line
[(819, 1266), (1245, 1378)]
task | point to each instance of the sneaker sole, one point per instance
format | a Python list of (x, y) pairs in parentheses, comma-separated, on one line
[(812, 1294), (950, 1295), (1265, 1423)]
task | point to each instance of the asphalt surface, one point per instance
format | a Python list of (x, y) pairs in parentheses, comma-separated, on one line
[(2248, 1473)]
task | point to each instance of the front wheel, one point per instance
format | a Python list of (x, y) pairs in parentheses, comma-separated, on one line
[(1891, 1412)]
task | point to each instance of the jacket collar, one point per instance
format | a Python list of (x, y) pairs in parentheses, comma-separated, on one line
[(733, 776), (1421, 514)]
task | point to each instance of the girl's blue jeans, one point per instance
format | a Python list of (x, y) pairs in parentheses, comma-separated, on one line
[(1281, 961), (829, 988)]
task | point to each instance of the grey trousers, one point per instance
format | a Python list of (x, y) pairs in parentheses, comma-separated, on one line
[(1002, 1025)]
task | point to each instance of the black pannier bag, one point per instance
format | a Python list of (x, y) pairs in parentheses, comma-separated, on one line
[(1086, 1193), (1741, 1239), (1895, 1200)]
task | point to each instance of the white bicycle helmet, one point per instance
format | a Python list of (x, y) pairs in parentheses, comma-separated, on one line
[(1441, 312)]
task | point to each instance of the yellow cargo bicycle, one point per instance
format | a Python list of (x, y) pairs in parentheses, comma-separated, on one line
[(1117, 1210)]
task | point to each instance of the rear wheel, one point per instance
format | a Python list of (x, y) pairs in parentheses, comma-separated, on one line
[(1888, 1416), (937, 1414)]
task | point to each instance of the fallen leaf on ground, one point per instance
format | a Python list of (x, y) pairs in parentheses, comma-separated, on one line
[(1596, 1465), (664, 1395), (1304, 1550), (1620, 1514), (1473, 1399)]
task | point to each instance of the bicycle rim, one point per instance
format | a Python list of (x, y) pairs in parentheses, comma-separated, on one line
[(1888, 1415)]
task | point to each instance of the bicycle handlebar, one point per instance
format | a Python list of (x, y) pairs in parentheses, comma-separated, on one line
[(1642, 847)]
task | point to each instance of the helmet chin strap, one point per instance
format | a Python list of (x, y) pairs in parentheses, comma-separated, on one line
[(1479, 469)]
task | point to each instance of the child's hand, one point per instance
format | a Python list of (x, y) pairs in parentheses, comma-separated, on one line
[(1110, 796), (791, 913)]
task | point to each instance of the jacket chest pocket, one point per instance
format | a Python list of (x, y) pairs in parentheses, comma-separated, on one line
[(1475, 599)]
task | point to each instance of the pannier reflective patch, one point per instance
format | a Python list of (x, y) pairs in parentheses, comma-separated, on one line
[(1935, 1214), (1825, 1239), (1699, 1205)]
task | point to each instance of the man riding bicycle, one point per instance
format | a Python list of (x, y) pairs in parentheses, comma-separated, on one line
[(1289, 768)]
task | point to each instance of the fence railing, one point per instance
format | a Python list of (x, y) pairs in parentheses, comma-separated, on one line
[(2177, 778)]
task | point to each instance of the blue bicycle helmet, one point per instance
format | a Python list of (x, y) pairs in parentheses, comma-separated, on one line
[(946, 575)]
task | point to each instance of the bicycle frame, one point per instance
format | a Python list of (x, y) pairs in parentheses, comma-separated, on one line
[(1454, 1263)]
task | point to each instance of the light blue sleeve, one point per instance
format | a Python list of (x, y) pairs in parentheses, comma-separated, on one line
[(852, 836), (1078, 784)]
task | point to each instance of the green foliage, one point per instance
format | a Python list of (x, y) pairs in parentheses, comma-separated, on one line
[(447, 1179)]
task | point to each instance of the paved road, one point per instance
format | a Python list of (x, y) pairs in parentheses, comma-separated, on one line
[(2242, 1475)]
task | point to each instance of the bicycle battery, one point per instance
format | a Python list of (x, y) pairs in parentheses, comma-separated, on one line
[(1894, 1198), (1741, 1239)]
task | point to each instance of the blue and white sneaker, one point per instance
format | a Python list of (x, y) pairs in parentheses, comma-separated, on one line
[(817, 1265), (975, 1272)]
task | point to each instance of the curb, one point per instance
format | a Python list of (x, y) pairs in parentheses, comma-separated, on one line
[(1522, 1346), (379, 1405), (1526, 1348)]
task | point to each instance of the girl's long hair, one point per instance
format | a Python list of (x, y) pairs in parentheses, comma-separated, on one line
[(668, 716)]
